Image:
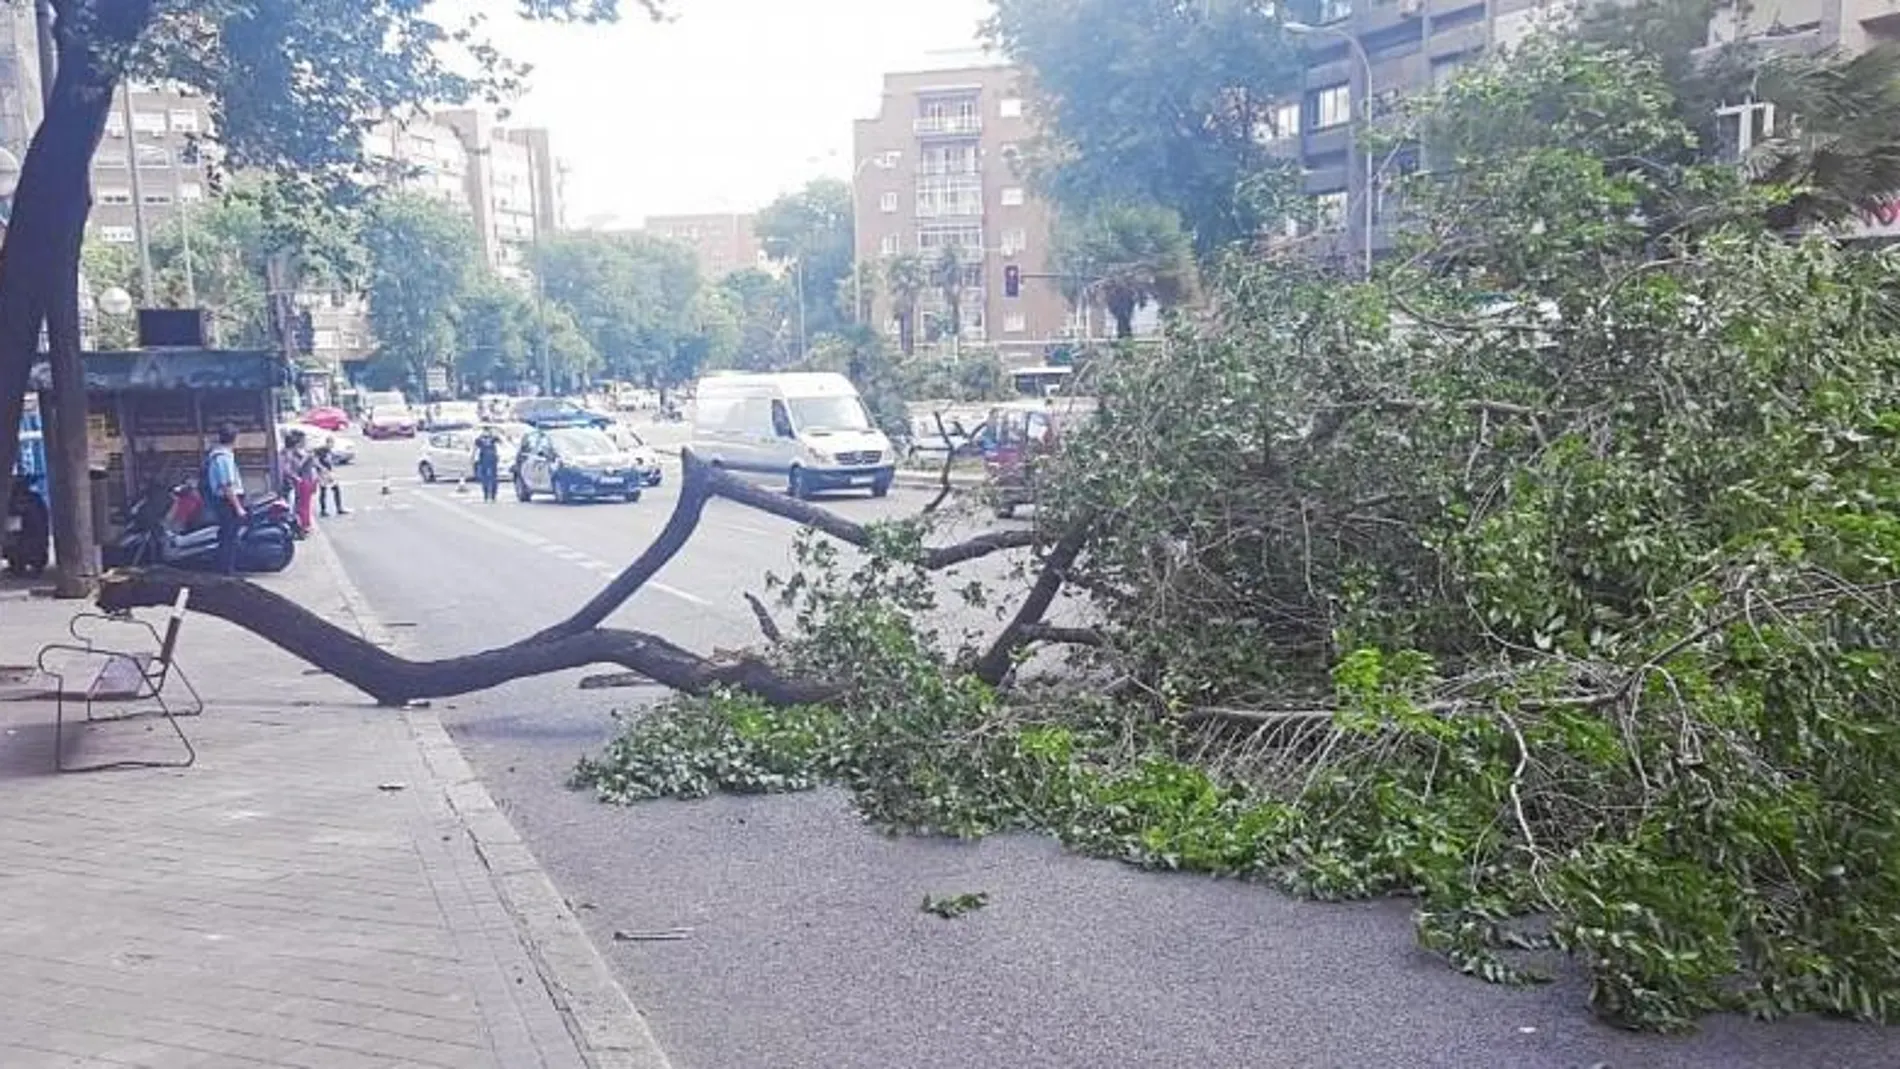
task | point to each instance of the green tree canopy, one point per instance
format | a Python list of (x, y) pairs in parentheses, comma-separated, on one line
[(812, 229), (1124, 256), (762, 308), (633, 296), (425, 262), (1155, 101)]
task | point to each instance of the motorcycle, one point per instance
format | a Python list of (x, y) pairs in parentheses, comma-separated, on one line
[(175, 528), (26, 542)]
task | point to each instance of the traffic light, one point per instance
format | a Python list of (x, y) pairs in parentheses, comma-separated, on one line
[(1012, 281)]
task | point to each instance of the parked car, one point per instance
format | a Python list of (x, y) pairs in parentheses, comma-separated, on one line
[(643, 455), (926, 441), (809, 428), (549, 412), (446, 455), (329, 417), (575, 463)]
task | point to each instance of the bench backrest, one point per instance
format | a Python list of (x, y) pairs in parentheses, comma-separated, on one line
[(173, 625)]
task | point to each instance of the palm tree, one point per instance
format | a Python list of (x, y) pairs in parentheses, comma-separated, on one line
[(1836, 134), (1126, 256), (905, 280), (947, 273)]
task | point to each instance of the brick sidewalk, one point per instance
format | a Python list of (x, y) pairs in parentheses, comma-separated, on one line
[(310, 893)]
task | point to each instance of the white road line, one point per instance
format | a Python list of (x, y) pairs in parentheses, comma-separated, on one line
[(678, 593), (571, 556)]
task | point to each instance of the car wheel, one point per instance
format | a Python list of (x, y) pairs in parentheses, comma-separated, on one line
[(522, 492), (881, 488), (799, 486), (1005, 512), (427, 471), (633, 495)]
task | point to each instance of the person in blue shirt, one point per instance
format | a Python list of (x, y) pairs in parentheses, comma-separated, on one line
[(224, 496)]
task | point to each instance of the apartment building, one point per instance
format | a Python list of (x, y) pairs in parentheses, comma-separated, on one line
[(936, 168), (721, 243), (154, 161), (509, 184)]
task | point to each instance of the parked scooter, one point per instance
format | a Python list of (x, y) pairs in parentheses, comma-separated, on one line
[(27, 540), (175, 528)]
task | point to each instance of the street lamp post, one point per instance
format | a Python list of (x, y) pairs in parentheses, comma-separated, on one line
[(1302, 29)]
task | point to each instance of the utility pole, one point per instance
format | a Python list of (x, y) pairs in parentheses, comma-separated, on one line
[(68, 455), (148, 296)]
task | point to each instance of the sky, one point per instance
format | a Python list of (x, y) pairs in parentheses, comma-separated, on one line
[(724, 106)]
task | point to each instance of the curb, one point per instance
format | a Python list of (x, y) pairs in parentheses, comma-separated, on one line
[(607, 1029)]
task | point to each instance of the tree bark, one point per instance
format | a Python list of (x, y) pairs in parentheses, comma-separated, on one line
[(39, 260), (393, 680), (995, 665)]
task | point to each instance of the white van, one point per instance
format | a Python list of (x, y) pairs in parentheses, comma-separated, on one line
[(810, 427)]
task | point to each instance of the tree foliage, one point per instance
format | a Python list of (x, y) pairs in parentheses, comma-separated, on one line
[(425, 263), (639, 301), (1154, 101), (1125, 256), (906, 279), (813, 230), (1548, 578), (761, 306)]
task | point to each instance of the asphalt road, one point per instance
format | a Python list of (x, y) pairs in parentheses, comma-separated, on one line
[(808, 950)]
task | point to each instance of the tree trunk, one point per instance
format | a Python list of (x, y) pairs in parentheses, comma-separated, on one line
[(1124, 313), (39, 259)]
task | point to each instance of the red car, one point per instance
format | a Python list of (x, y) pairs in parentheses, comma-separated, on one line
[(329, 417)]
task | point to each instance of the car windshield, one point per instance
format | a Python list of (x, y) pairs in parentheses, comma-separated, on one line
[(579, 443), (386, 399), (829, 414)]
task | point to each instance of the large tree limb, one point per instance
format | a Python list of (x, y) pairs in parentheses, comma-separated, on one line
[(393, 680), (995, 664)]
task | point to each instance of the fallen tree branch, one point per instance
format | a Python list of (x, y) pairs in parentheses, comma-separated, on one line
[(767, 626), (1063, 636), (393, 680), (995, 664), (700, 482)]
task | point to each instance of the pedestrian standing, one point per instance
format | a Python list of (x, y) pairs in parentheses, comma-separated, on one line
[(300, 478), (488, 463), (327, 485), (224, 495)]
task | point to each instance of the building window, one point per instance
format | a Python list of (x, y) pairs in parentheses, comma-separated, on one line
[(1015, 240), (1010, 108), (112, 161), (158, 198), (191, 192), (115, 196), (1329, 210), (1740, 127), (887, 202), (118, 235), (892, 245), (183, 120), (1330, 106), (154, 156), (1334, 10), (148, 122), (1015, 323), (1013, 197), (324, 339), (115, 125)]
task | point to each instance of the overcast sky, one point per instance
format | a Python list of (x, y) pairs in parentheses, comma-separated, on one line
[(726, 105)]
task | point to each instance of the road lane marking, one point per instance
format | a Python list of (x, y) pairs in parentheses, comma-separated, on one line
[(555, 549)]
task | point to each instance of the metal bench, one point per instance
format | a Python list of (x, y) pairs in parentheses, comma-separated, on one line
[(122, 676)]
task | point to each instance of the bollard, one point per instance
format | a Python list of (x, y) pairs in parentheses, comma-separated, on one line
[(461, 485)]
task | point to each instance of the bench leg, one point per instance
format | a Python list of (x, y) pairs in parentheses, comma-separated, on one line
[(164, 709)]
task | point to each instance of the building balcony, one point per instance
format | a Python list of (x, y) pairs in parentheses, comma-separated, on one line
[(947, 125), (949, 182), (966, 209)]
